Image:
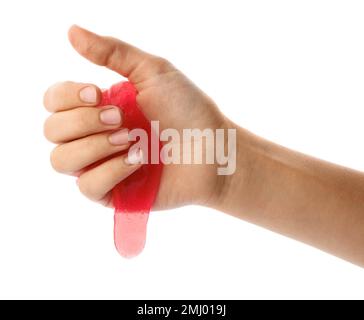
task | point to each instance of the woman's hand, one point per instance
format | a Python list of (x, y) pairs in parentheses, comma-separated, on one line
[(305, 198), (86, 134)]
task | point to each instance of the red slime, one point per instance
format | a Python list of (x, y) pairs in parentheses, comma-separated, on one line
[(134, 196)]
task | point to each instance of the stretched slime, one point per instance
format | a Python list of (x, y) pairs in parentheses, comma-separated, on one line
[(134, 196)]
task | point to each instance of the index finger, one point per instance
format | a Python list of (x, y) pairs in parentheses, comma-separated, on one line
[(68, 95)]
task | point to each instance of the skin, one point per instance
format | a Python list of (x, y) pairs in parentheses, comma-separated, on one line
[(308, 199)]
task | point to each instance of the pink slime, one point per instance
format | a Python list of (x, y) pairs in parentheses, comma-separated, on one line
[(134, 196)]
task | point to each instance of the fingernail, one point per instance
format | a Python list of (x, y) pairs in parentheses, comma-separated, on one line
[(135, 156), (119, 137), (88, 95), (110, 116)]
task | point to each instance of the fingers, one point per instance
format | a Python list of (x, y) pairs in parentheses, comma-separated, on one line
[(76, 155), (96, 183), (80, 122), (117, 55), (75, 113), (68, 95)]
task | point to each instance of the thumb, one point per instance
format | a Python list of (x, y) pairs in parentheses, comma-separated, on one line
[(119, 56)]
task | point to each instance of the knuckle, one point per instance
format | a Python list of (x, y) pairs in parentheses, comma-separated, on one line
[(53, 96), (48, 98), (114, 170), (49, 131), (118, 169), (88, 47), (157, 65), (86, 188), (108, 202), (56, 160), (91, 49), (83, 118), (161, 65), (66, 84)]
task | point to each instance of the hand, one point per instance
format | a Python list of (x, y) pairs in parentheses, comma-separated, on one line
[(86, 134), (305, 198)]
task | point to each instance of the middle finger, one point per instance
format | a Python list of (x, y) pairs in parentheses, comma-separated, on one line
[(80, 122)]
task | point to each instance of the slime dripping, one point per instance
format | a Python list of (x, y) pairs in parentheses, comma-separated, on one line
[(134, 196)]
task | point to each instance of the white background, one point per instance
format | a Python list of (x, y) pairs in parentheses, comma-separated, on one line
[(291, 71)]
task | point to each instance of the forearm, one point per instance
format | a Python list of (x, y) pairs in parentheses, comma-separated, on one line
[(310, 200)]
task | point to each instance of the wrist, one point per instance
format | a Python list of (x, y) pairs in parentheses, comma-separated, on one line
[(236, 194)]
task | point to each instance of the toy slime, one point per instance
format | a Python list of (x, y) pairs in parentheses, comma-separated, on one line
[(134, 196)]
